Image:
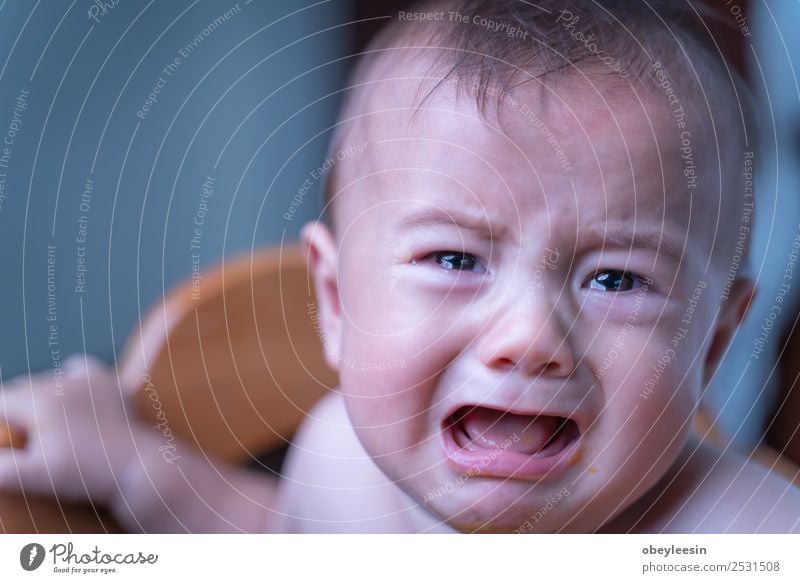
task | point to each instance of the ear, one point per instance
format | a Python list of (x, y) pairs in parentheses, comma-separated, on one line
[(320, 252), (732, 312)]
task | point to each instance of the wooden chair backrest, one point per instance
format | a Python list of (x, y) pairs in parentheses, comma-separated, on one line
[(231, 361)]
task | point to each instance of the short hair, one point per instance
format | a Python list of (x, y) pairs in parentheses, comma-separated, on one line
[(506, 43)]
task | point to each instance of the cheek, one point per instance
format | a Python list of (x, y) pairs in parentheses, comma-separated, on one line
[(385, 294), (389, 407), (400, 331), (670, 392), (652, 386), (387, 382), (395, 308), (650, 394), (393, 378)]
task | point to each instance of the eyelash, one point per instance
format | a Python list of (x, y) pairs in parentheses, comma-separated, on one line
[(635, 278), (462, 254)]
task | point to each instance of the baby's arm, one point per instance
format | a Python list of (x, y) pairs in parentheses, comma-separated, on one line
[(81, 444), (194, 494)]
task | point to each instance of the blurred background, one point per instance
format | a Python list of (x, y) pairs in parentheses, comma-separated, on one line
[(143, 141), (143, 119)]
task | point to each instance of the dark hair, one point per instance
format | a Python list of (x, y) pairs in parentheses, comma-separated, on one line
[(506, 43)]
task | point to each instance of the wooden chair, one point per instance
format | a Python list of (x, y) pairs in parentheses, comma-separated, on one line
[(234, 363)]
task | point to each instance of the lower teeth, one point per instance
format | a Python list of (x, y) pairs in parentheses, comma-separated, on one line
[(464, 441)]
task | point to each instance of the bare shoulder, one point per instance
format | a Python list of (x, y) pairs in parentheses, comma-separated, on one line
[(329, 483), (325, 426), (727, 492), (307, 463)]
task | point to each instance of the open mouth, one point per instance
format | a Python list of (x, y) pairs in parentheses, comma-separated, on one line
[(498, 443)]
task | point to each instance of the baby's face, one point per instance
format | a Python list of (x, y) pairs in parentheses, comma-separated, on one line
[(526, 315)]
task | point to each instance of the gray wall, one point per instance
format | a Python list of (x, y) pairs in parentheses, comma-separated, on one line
[(230, 109), (745, 389)]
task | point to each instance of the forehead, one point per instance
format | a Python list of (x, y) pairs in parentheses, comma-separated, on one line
[(591, 156)]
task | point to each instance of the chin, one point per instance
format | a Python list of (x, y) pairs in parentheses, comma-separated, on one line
[(503, 508), (506, 523)]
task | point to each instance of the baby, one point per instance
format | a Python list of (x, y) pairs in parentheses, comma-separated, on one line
[(537, 231)]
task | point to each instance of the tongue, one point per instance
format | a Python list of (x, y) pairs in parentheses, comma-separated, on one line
[(491, 429)]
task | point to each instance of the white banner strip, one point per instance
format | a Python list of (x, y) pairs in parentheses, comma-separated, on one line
[(406, 558)]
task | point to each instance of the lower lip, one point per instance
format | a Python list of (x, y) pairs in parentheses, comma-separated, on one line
[(504, 463)]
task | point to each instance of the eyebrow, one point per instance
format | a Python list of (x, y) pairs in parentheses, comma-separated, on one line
[(428, 217), (656, 240)]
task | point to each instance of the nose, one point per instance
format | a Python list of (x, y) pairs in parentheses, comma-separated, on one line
[(528, 337)]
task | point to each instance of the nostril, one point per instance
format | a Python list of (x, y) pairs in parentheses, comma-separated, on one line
[(548, 368), (504, 362), (551, 367)]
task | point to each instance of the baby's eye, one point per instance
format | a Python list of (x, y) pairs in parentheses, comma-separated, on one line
[(616, 280), (458, 261)]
